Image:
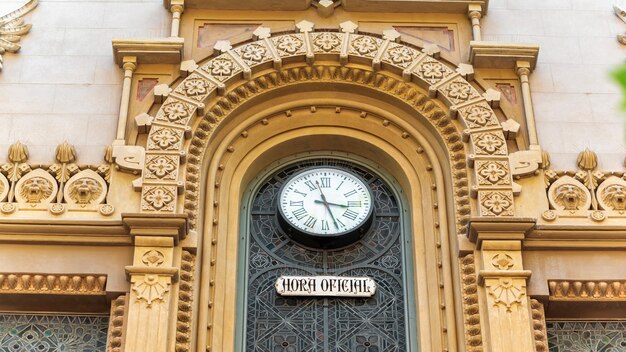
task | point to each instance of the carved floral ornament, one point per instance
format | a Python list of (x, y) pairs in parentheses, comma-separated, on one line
[(586, 192), (232, 74), (62, 186)]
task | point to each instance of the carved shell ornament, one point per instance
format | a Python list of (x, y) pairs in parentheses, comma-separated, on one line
[(12, 27), (612, 194), (567, 193)]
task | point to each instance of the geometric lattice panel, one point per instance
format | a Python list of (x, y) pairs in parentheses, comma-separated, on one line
[(53, 333), (317, 324), (586, 336)]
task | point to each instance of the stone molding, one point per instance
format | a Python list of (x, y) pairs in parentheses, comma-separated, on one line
[(471, 309), (539, 325), (55, 284), (204, 82), (427, 6), (149, 51), (485, 54), (587, 290), (115, 339), (185, 302)]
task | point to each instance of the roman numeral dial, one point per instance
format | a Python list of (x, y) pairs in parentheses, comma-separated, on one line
[(325, 202)]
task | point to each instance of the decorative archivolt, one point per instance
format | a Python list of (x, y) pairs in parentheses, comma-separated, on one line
[(212, 90)]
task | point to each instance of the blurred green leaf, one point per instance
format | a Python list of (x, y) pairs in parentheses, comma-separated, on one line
[(620, 77)]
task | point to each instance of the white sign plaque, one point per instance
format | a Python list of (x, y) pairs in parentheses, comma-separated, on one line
[(329, 286)]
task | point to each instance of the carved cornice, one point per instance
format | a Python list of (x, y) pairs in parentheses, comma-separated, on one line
[(149, 51), (580, 290), (502, 55), (56, 284)]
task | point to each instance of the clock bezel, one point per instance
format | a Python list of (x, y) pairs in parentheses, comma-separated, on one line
[(325, 241)]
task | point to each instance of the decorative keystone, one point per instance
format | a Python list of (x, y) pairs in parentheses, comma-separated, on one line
[(305, 26), (510, 128), (432, 50), (325, 8), (392, 35), (143, 122), (187, 67), (262, 33), (467, 71), (492, 96), (348, 27), (161, 92)]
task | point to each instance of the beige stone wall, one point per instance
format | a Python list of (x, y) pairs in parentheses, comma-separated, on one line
[(63, 84), (576, 102)]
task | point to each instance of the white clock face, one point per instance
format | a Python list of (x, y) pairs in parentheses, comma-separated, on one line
[(325, 201)]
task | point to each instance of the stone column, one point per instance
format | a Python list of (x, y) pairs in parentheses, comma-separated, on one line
[(151, 314), (523, 69), (129, 65), (505, 304), (474, 12), (176, 7)]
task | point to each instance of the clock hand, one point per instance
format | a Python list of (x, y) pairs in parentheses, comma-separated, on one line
[(326, 204), (331, 203)]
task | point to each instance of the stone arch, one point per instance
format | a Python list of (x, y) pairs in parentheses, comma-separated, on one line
[(219, 89), (218, 82)]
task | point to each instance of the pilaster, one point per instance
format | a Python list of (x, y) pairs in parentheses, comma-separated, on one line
[(151, 310), (508, 322)]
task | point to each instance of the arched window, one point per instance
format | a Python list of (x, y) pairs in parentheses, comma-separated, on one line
[(269, 250)]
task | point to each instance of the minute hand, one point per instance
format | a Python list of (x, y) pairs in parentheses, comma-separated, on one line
[(331, 203)]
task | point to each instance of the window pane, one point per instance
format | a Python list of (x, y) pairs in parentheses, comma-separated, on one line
[(52, 333), (586, 336)]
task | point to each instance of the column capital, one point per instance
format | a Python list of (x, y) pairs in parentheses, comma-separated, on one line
[(474, 11), (523, 68), (177, 6), (129, 63), (499, 229)]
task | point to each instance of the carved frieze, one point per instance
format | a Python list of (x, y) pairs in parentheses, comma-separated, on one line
[(41, 283), (583, 290)]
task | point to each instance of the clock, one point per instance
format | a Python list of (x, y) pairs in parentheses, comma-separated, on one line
[(325, 207)]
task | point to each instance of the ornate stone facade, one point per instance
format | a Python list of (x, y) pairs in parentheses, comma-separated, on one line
[(154, 234)]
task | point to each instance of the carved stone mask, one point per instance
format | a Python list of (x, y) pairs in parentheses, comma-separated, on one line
[(615, 195), (36, 189), (570, 196)]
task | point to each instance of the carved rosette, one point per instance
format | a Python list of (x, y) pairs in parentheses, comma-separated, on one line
[(224, 69), (507, 292), (149, 288)]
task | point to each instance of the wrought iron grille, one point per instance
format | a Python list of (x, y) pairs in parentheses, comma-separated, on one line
[(586, 336), (306, 324), (52, 333)]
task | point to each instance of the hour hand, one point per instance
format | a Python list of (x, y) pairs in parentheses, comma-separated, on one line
[(331, 203)]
